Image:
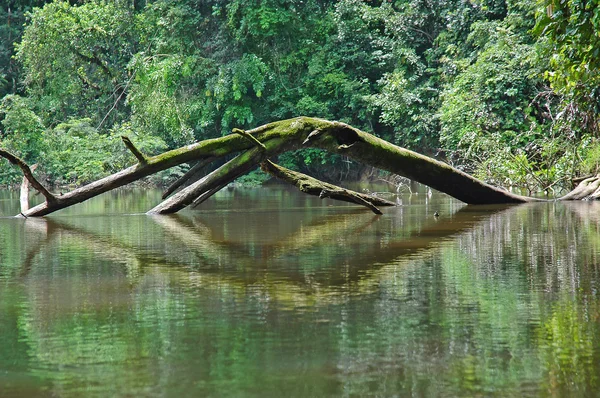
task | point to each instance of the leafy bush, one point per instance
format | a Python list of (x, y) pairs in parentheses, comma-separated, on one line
[(545, 165), (77, 153), (23, 135), (74, 152)]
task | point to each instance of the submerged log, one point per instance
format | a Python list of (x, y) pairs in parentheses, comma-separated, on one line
[(268, 141)]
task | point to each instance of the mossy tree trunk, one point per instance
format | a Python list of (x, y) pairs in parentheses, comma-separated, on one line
[(256, 146)]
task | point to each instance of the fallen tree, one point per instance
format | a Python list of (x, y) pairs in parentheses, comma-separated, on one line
[(255, 147)]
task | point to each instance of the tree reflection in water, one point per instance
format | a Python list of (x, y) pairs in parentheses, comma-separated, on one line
[(480, 301)]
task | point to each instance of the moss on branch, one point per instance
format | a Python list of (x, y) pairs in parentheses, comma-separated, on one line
[(272, 139)]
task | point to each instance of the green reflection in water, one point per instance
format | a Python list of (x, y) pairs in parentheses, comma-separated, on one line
[(266, 292)]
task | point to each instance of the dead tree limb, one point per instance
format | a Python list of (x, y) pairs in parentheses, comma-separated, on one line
[(315, 187), (344, 194), (132, 148), (27, 173), (24, 196), (212, 183), (589, 189), (188, 176), (191, 173), (278, 137)]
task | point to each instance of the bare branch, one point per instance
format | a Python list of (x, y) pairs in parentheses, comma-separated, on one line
[(136, 152), (187, 176), (345, 193), (249, 136), (50, 198), (312, 186)]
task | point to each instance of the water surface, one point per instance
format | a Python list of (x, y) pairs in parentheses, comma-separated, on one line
[(267, 292)]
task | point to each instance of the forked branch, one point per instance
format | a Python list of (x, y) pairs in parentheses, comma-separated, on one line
[(212, 183), (189, 175)]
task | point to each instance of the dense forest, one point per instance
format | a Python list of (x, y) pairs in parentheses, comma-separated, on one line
[(505, 89)]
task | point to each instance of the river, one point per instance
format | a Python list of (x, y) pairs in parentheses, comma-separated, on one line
[(268, 292)]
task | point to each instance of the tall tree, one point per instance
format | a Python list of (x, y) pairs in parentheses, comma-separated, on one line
[(75, 59), (12, 18)]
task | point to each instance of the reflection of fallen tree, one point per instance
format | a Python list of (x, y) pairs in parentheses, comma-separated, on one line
[(281, 268), (324, 231), (196, 236), (109, 249), (588, 212), (35, 228)]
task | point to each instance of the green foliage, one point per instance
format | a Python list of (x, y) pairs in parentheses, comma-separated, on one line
[(467, 76), (546, 165), (182, 92), (235, 86), (158, 97), (22, 134), (570, 28), (77, 153), (409, 106), (23, 129), (498, 112), (493, 95), (12, 18), (254, 178), (71, 152), (75, 58), (590, 156)]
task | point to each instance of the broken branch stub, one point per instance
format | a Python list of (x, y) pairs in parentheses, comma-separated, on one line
[(24, 195), (132, 148), (249, 137)]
